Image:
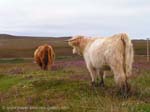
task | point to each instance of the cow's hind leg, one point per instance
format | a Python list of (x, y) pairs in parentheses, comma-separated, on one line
[(124, 90), (45, 67), (121, 80), (40, 64)]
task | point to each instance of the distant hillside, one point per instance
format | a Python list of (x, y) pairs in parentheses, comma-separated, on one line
[(24, 46), (7, 36)]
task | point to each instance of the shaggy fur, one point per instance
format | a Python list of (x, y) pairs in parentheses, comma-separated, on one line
[(44, 56), (115, 52)]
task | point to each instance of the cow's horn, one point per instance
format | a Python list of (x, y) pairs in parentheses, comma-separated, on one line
[(66, 40), (70, 40)]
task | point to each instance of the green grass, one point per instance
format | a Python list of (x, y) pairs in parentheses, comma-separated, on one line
[(66, 88), (7, 82), (14, 60)]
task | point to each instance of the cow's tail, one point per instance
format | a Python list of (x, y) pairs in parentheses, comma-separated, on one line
[(128, 54), (46, 60)]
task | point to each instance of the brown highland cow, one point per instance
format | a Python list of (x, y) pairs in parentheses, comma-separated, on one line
[(44, 56)]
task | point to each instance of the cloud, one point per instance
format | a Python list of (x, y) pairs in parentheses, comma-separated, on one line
[(71, 17)]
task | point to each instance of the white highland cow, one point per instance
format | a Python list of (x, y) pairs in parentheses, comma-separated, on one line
[(115, 52)]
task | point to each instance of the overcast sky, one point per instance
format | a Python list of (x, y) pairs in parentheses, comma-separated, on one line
[(74, 17)]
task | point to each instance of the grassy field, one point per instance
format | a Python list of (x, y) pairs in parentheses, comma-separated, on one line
[(66, 88)]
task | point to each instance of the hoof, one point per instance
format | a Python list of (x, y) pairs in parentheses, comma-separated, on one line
[(101, 84), (125, 91), (93, 84)]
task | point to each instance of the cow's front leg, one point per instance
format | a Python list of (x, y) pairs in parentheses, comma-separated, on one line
[(92, 74)]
